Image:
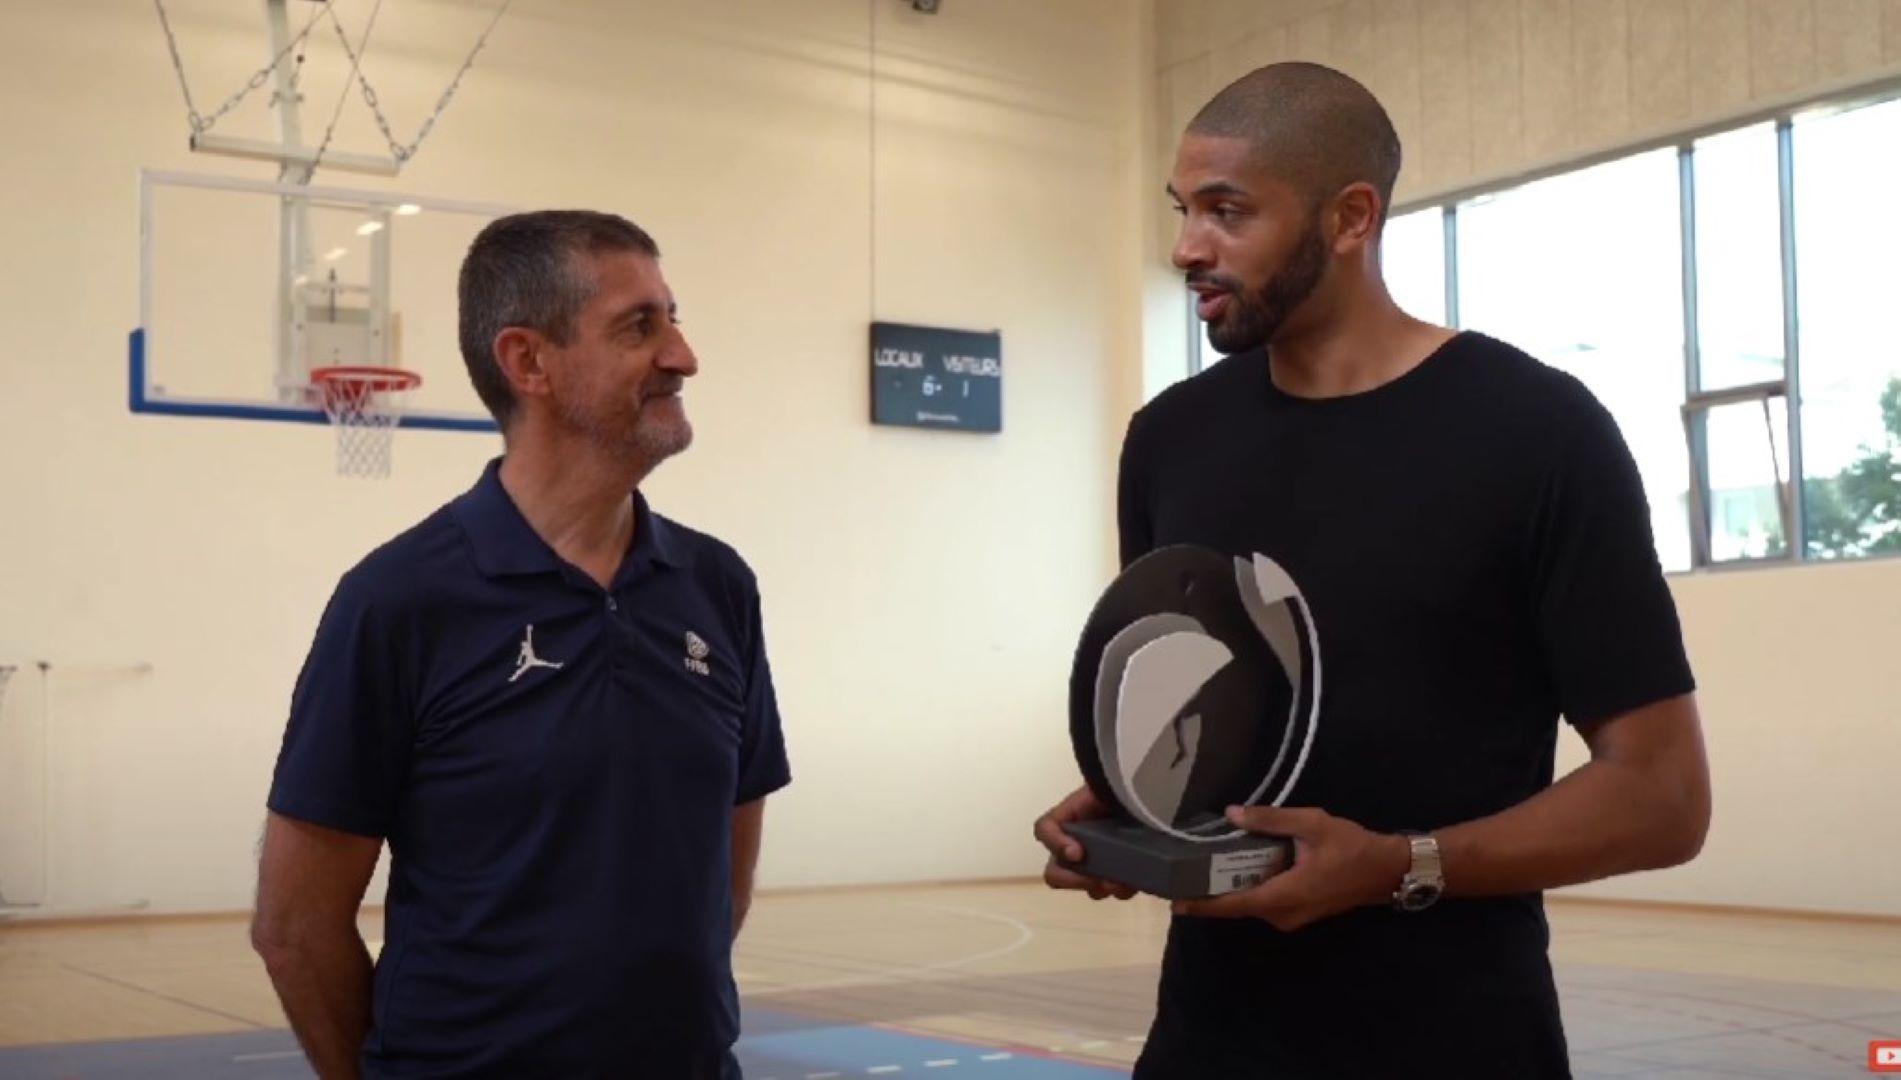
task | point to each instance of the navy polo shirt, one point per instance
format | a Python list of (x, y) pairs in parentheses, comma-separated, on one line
[(555, 767)]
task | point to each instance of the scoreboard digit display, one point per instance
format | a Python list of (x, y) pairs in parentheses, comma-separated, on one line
[(929, 377)]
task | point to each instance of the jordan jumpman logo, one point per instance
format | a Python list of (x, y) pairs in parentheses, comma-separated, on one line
[(528, 659)]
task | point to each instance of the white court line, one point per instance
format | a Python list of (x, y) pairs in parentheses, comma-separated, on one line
[(994, 1057), (277, 1055), (867, 973), (1025, 935), (823, 1076), (879, 1070), (940, 1063)]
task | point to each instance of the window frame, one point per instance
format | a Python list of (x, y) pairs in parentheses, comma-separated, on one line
[(1698, 403)]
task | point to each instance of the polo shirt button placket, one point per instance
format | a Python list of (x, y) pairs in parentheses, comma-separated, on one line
[(621, 633)]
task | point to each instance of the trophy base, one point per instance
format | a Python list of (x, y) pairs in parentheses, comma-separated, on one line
[(1170, 867)]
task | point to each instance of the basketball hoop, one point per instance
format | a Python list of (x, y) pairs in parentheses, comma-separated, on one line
[(365, 404)]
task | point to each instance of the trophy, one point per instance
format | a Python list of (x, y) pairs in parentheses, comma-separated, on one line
[(1196, 687)]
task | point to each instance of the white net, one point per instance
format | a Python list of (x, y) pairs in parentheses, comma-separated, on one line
[(364, 405)]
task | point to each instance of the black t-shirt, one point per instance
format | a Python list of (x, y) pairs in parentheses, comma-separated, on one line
[(1475, 545)]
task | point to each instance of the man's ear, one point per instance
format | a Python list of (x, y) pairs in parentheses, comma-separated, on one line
[(518, 353), (1356, 213)]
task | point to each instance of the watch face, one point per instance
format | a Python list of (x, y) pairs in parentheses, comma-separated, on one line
[(1418, 896)]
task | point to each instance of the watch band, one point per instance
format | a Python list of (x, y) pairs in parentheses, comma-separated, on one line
[(1424, 882)]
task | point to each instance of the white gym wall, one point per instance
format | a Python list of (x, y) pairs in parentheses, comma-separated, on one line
[(922, 590)]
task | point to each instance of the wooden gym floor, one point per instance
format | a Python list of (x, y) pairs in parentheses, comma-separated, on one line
[(992, 980)]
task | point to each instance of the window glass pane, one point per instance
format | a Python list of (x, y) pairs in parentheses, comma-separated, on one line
[(1848, 235), (1206, 355), (1749, 460), (1584, 272), (1738, 259), (1413, 258)]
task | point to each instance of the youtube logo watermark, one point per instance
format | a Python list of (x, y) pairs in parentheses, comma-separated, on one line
[(1884, 1056)]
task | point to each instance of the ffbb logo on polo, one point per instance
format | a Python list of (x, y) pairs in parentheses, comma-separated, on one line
[(697, 651)]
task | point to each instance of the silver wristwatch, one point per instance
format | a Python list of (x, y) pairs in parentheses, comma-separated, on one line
[(1425, 882)]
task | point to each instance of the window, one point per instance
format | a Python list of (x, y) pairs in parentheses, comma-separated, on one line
[(1202, 352), (1737, 420), (1584, 271), (1848, 259), (1738, 259), (1413, 258), (1748, 473)]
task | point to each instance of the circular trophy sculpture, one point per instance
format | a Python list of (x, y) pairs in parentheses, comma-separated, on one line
[(1196, 687)]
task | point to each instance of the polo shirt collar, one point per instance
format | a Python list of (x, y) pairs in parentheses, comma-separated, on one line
[(504, 543)]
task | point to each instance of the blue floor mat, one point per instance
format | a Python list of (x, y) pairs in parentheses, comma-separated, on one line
[(777, 1046)]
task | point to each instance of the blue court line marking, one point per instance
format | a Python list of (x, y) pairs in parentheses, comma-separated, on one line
[(782, 1046), (810, 1052), (141, 402)]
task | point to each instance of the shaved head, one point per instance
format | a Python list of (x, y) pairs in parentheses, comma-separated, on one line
[(1311, 126)]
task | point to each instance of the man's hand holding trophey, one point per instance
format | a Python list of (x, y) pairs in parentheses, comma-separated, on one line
[(1338, 866), (1080, 805)]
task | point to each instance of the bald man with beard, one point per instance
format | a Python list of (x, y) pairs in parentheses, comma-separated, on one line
[(1471, 534)]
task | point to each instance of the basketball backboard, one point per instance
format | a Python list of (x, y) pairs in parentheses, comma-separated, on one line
[(247, 285)]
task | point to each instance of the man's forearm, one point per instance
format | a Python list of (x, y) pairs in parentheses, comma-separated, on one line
[(742, 903), (324, 985), (749, 822), (1606, 818)]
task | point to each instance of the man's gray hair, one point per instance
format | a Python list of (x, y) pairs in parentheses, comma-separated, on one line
[(522, 270)]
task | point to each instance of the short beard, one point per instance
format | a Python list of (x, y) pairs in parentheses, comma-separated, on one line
[(636, 439), (1253, 321)]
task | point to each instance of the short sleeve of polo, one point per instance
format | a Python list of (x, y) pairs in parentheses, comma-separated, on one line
[(346, 746), (763, 768)]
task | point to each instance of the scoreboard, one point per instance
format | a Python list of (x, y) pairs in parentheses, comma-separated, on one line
[(923, 376)]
